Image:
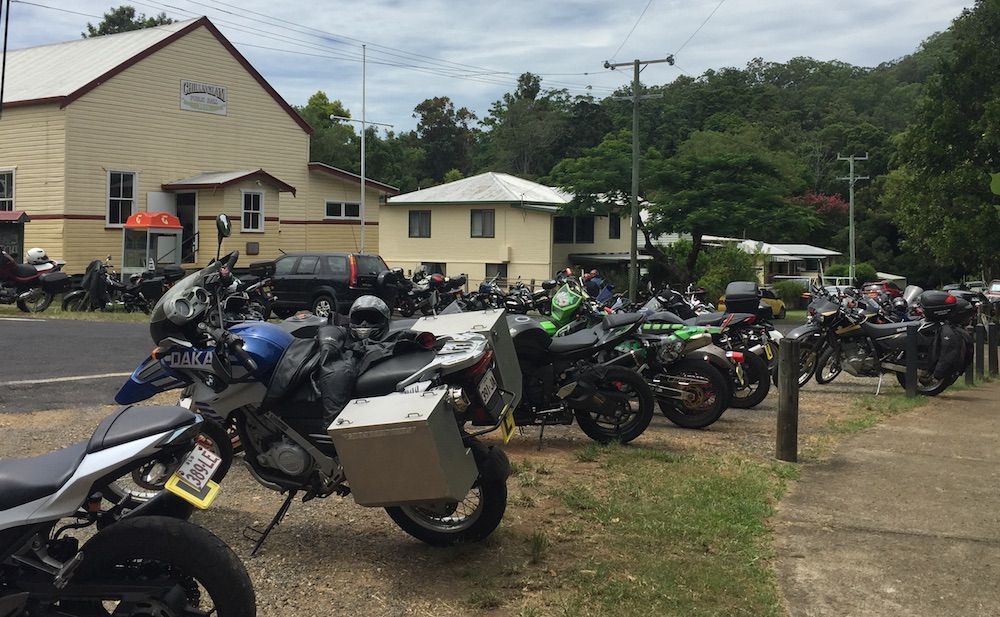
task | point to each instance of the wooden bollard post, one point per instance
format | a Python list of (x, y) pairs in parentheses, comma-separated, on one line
[(991, 347), (788, 401), (980, 350)]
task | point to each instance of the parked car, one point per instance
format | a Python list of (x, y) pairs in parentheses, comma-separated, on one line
[(993, 291), (320, 282), (767, 296), (873, 289)]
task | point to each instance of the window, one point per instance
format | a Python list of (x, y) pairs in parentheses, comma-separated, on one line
[(585, 230), (343, 210), (614, 226), (483, 223), (497, 269), (420, 223), (6, 190), (253, 211), (562, 230), (121, 197), (308, 264)]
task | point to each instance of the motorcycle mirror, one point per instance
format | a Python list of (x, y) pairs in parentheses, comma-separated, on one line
[(225, 227)]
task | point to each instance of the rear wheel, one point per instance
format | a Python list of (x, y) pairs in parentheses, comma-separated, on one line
[(633, 408), (406, 308), (756, 382), (35, 302), (148, 480), (704, 393), (927, 385), (155, 565)]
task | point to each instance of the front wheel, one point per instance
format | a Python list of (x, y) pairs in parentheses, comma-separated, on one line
[(75, 301), (150, 565), (148, 480), (633, 408), (702, 393), (35, 301), (829, 365), (808, 359), (756, 382), (470, 520)]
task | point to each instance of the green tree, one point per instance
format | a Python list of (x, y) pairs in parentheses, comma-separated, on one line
[(334, 142), (124, 19), (940, 189), (446, 136)]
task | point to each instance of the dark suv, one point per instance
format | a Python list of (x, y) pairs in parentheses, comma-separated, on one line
[(319, 282)]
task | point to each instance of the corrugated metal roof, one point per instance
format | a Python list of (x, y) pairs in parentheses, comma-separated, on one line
[(56, 71), (490, 187)]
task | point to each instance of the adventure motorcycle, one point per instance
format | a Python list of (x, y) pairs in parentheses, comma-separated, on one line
[(288, 396), (31, 287), (143, 561), (563, 381), (868, 349), (102, 290)]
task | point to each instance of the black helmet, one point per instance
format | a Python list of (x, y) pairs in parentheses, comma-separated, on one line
[(369, 317), (899, 305)]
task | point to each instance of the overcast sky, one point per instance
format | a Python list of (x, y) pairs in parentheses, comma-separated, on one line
[(473, 51)]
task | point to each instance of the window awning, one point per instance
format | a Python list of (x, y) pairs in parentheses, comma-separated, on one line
[(222, 179), (14, 216), (153, 220)]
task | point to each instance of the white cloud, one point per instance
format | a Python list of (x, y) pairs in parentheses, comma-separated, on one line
[(473, 51)]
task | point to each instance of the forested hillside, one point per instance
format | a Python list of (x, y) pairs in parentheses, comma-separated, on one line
[(752, 151)]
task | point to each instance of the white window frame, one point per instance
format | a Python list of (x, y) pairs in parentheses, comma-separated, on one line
[(342, 207), (120, 199), (258, 213), (7, 203), (485, 231)]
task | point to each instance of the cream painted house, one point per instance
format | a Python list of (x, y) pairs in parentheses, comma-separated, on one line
[(494, 223), (168, 119)]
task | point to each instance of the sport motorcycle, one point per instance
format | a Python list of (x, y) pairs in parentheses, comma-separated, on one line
[(142, 561), (292, 398)]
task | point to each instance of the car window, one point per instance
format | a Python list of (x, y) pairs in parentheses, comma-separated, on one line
[(767, 293), (994, 286), (308, 264), (337, 264), (285, 265), (369, 264)]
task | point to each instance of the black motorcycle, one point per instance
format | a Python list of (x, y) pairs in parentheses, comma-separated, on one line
[(101, 289), (562, 381), (865, 348)]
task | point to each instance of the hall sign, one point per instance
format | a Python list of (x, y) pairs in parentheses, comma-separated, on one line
[(206, 98)]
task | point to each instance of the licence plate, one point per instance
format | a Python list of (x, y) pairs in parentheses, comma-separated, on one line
[(507, 424), (487, 387), (193, 479)]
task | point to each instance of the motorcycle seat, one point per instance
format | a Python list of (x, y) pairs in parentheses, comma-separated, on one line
[(717, 319), (882, 329), (615, 320), (132, 422), (574, 342), (382, 378), (24, 271), (23, 480)]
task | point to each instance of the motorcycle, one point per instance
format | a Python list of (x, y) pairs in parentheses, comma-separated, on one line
[(247, 299), (141, 561), (563, 381), (30, 287), (292, 391), (101, 289), (865, 348)]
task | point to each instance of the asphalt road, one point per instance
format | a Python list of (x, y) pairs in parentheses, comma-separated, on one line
[(55, 363)]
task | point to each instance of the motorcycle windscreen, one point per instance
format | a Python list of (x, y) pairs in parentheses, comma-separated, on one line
[(148, 379)]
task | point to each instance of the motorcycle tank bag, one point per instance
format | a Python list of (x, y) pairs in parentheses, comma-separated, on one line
[(742, 297)]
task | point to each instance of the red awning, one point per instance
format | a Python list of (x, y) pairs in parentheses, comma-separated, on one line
[(14, 216), (153, 220)]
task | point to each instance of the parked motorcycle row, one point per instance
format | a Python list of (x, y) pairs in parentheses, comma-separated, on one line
[(389, 412)]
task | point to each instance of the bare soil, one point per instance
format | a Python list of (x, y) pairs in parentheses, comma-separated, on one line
[(331, 556)]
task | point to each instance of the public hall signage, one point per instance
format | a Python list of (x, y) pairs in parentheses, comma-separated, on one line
[(202, 97)]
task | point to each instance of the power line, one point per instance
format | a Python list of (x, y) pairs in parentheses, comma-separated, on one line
[(700, 27), (629, 35)]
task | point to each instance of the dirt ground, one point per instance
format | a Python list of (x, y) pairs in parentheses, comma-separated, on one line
[(331, 556)]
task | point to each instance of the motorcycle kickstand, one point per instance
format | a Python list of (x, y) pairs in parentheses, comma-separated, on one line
[(262, 535), (878, 388)]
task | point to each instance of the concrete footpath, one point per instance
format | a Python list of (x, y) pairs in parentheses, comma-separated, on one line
[(904, 519)]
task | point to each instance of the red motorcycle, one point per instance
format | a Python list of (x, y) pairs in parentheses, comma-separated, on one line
[(27, 285)]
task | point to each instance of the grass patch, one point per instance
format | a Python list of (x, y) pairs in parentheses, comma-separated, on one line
[(870, 410), (55, 312)]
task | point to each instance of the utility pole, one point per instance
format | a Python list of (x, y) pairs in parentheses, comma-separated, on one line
[(362, 121), (633, 270), (851, 178)]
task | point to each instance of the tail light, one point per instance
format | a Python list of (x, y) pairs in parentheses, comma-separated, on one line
[(353, 282), (737, 356), (426, 340), (480, 367)]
